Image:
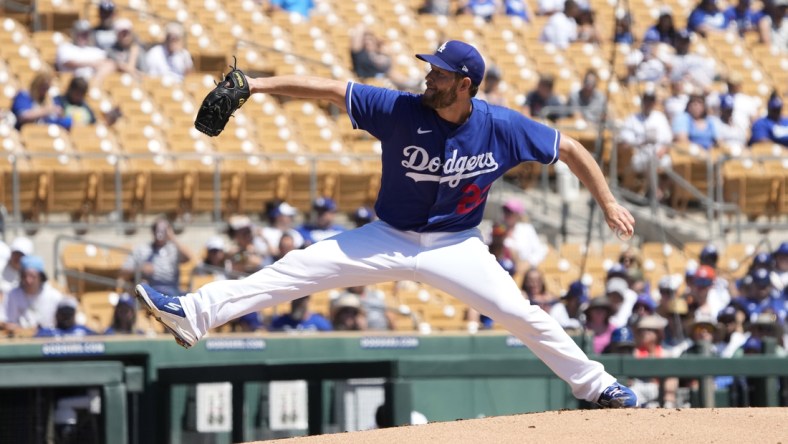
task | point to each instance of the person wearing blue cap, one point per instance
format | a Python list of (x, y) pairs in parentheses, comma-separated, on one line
[(569, 310), (441, 153), (66, 323), (731, 132), (773, 127), (622, 342), (124, 317), (34, 302), (707, 18), (780, 256), (323, 225)]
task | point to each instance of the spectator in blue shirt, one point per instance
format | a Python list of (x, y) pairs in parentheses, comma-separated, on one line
[(705, 18), (773, 126), (664, 31), (323, 226), (65, 322), (744, 18), (624, 30), (302, 7), (300, 318), (517, 8), (34, 106), (695, 125)]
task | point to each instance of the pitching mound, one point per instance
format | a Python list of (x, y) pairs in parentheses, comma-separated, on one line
[(756, 425)]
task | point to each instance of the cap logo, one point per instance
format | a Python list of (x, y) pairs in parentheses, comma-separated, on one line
[(464, 68), (442, 47)]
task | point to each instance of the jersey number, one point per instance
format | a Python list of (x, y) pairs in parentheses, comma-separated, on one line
[(472, 197)]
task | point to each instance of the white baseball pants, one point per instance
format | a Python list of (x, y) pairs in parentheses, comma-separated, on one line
[(457, 263)]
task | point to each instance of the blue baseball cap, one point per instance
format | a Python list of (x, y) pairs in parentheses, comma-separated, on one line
[(782, 249), (459, 57), (762, 259), (753, 344), (622, 336), (761, 277), (645, 300), (31, 262), (577, 290), (252, 320), (726, 102), (709, 253), (324, 204), (775, 102), (617, 270)]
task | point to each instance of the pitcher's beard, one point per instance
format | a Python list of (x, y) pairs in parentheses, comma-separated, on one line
[(439, 99)]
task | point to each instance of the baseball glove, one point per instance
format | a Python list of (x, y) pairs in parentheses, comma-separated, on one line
[(221, 102)]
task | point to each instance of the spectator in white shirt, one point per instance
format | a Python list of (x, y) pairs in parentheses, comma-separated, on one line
[(81, 56), (647, 134), (522, 239), (730, 133), (691, 66), (561, 27), (20, 247), (170, 58), (34, 302)]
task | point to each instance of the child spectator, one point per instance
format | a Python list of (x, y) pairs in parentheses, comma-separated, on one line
[(300, 318), (75, 110)]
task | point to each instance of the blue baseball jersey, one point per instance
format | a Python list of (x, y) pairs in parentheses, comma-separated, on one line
[(436, 175)]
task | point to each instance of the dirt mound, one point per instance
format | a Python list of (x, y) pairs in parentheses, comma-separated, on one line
[(641, 426)]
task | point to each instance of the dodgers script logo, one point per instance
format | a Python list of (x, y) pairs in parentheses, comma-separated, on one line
[(454, 170)]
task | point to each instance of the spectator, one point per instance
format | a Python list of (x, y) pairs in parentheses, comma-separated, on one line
[(436, 7), (568, 312), (301, 7), (362, 216), (247, 323), (286, 245), (561, 27), (300, 318), (517, 8), (586, 29), (622, 299), (81, 57), (664, 31), (598, 315), (774, 26), (215, 263), (491, 88), (104, 34), (632, 261), (372, 306), (709, 256), (668, 287), (246, 257), (677, 311), (543, 97), (622, 342), (75, 110), (645, 65), (535, 290), (623, 33), (323, 226), (34, 302), (772, 127), (742, 18), (649, 334), (588, 103), (729, 132), (732, 320), (759, 296), (371, 58), (170, 58), (705, 301), (699, 70), (521, 238), (280, 216), (644, 306), (706, 18), (20, 247), (158, 261), (745, 107), (347, 314), (675, 104), (485, 9), (35, 106), (646, 137), (126, 52), (695, 126), (124, 317), (780, 256), (65, 322)]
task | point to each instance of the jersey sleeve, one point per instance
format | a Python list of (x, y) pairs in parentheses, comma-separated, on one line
[(533, 140), (371, 108)]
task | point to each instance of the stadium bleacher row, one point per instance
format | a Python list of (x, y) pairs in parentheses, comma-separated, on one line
[(268, 149)]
